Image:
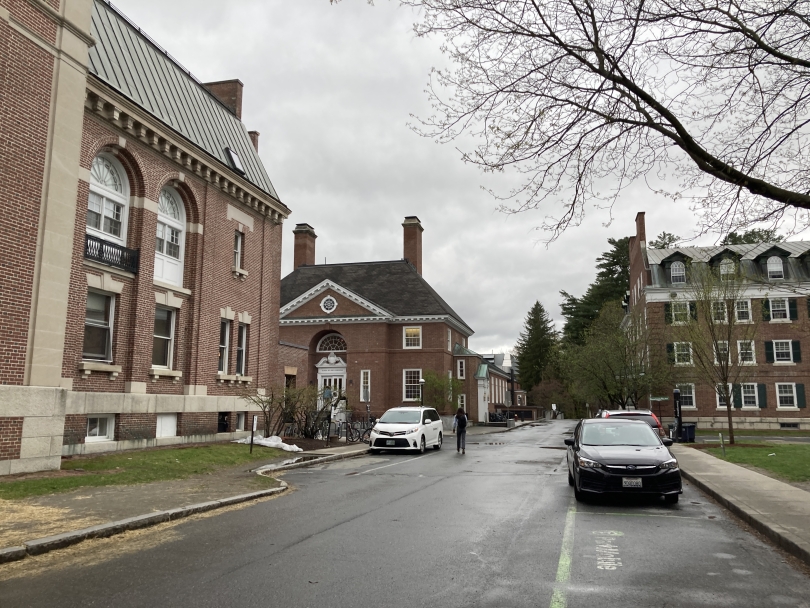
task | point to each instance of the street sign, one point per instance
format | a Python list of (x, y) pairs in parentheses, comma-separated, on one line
[(554, 406), (659, 398), (255, 424)]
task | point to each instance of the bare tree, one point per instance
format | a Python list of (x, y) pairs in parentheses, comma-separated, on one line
[(714, 327), (586, 96), (280, 405)]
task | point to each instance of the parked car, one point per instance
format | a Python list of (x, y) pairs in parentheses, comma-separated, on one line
[(407, 428), (619, 456), (644, 415)]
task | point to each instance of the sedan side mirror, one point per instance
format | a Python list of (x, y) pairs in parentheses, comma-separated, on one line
[(666, 441), (569, 442)]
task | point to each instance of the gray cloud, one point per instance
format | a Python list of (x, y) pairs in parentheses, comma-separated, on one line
[(331, 89)]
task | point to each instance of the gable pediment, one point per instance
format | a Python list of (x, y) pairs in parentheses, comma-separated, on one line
[(330, 300)]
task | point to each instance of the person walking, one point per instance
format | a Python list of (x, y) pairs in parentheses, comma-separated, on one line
[(460, 429)]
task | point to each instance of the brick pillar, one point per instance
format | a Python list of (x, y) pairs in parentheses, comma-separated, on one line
[(304, 245), (412, 232)]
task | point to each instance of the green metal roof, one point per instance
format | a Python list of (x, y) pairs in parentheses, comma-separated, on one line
[(127, 60)]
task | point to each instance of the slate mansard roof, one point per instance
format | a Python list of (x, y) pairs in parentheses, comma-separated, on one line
[(393, 286), (795, 269), (130, 62)]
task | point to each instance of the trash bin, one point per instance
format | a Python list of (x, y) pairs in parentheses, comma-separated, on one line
[(688, 432)]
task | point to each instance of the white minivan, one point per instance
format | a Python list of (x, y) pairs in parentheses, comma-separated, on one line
[(407, 428)]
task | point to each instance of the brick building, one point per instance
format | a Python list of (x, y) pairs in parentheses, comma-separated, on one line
[(140, 242), (776, 277), (371, 329)]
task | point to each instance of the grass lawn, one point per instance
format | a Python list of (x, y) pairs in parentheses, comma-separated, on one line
[(790, 462), (753, 433), (127, 468)]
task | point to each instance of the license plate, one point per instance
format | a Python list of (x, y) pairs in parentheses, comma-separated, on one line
[(391, 442), (631, 482)]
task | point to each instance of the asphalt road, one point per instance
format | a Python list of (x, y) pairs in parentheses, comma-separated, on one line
[(495, 527)]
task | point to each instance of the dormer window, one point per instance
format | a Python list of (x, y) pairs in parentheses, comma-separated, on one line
[(678, 272), (726, 269), (236, 163), (775, 268)]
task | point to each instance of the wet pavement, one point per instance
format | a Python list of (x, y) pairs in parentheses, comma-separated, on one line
[(495, 527)]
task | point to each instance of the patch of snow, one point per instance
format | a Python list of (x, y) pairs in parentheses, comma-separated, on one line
[(271, 442)]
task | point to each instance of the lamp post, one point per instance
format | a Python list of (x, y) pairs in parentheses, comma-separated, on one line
[(421, 391), (676, 395), (368, 405), (327, 399)]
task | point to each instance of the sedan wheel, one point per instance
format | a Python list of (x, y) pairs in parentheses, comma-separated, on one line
[(422, 445), (438, 445)]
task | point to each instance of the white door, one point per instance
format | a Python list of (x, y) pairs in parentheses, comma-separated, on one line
[(166, 425)]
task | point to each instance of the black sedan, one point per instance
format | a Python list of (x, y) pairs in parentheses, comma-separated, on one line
[(610, 456)]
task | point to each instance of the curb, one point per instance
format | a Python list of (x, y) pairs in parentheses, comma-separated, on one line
[(781, 539), (66, 539), (265, 472)]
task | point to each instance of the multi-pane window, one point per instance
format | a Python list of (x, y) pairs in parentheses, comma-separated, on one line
[(779, 308), (719, 312), (365, 385), (105, 215), (683, 353), (726, 269), (168, 241), (749, 395), (412, 388), (462, 402), (241, 350), (775, 268), (413, 337), (786, 395), (98, 327), (100, 428), (680, 312), (238, 249), (721, 399), (224, 344), (745, 348), (743, 310), (678, 272), (461, 368), (721, 352), (782, 350), (687, 395), (162, 338), (107, 201)]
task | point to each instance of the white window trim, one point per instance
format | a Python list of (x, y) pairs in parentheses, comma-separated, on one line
[(241, 329), (241, 419), (672, 275), (717, 397), (122, 198), (724, 320), (787, 310), (462, 401), (672, 309), (750, 313), (715, 349), (404, 371), (366, 374), (227, 345), (110, 436), (756, 396), (173, 311), (781, 268), (790, 352), (110, 357), (461, 369), (694, 397), (449, 339), (239, 249), (675, 353), (753, 352), (405, 342), (790, 408)]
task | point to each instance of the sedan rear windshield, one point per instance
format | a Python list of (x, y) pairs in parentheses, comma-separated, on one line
[(400, 417), (644, 417), (618, 434)]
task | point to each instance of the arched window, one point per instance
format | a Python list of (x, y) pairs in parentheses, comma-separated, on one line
[(332, 343), (678, 272), (775, 269), (171, 238), (107, 203), (726, 268)]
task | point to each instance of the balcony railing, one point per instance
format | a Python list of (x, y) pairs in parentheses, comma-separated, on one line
[(108, 253)]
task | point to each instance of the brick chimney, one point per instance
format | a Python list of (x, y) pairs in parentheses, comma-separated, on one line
[(641, 232), (228, 92), (412, 231), (254, 137), (304, 245)]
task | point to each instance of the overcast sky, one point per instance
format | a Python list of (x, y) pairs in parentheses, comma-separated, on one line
[(331, 89)]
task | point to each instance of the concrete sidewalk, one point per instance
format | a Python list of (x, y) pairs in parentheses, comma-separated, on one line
[(778, 510)]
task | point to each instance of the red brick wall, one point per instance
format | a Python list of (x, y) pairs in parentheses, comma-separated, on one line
[(135, 426), (75, 429), (196, 423), (10, 437), (26, 73), (345, 307)]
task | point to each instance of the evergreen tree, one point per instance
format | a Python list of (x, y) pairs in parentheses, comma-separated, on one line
[(753, 236), (665, 240), (612, 282), (534, 346)]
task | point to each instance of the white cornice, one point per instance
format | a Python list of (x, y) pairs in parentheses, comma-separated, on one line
[(390, 319), (751, 291), (346, 293), (116, 110)]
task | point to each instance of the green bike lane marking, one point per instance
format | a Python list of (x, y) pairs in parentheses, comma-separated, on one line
[(558, 598)]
